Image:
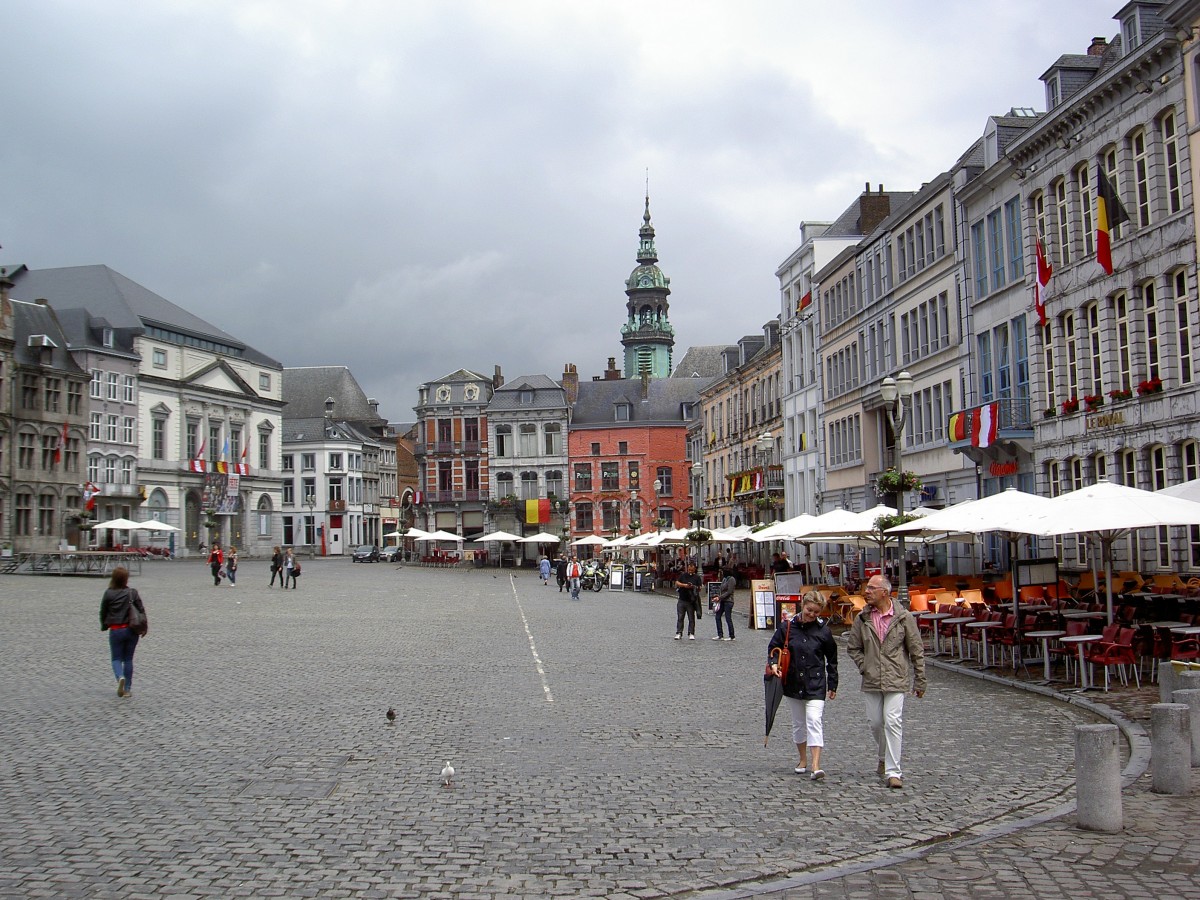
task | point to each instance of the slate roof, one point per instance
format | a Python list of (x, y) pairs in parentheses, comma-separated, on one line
[(848, 223), (703, 362), (122, 303), (597, 401), (306, 388), (547, 394), (313, 429), (30, 319)]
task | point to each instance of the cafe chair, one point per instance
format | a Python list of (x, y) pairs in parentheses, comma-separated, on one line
[(1067, 652), (1119, 653)]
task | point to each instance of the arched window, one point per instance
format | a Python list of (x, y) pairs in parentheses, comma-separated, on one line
[(504, 484), (504, 441)]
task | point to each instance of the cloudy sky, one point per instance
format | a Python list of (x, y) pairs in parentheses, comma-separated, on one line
[(409, 187)]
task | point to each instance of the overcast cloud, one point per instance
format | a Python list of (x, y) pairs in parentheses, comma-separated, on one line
[(408, 188)]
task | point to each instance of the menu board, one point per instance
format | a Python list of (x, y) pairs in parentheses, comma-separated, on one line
[(762, 603), (616, 577)]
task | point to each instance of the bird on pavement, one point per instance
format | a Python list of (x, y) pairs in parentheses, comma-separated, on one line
[(391, 716), (447, 774)]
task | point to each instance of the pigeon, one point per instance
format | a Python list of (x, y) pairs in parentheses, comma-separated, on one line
[(391, 716), (447, 774)]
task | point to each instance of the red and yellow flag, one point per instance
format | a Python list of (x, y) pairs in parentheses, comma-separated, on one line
[(1109, 214), (537, 512), (958, 426)]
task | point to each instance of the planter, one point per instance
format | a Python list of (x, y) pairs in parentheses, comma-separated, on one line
[(1093, 402), (1119, 395), (1049, 413), (1070, 407)]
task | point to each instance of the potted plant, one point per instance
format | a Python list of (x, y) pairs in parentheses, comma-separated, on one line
[(1070, 405), (1093, 401), (635, 526), (1120, 394), (210, 519), (1150, 386), (891, 481), (883, 523), (764, 502), (697, 515), (660, 523), (1049, 413), (699, 536)]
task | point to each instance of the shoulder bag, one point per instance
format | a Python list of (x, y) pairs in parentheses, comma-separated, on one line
[(782, 656)]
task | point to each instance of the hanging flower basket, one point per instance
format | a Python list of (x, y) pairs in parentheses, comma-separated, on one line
[(1150, 386), (883, 523), (893, 482), (698, 515), (1070, 406), (1093, 401), (699, 536), (1120, 394), (635, 526)]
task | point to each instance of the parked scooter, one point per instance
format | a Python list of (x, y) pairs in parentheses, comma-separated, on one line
[(594, 576)]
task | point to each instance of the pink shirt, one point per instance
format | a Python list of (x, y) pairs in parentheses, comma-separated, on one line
[(882, 621)]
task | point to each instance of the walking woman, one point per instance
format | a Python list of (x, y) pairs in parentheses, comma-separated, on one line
[(123, 616), (231, 566), (215, 560), (812, 678), (289, 567), (277, 567)]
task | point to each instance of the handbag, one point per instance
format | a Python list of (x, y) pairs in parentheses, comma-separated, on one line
[(135, 618), (781, 656)]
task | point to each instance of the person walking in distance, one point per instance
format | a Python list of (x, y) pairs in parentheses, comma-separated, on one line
[(811, 679), (215, 560), (688, 585), (276, 567), (544, 570), (885, 645), (560, 573), (289, 564), (123, 616), (231, 563), (725, 604), (574, 573)]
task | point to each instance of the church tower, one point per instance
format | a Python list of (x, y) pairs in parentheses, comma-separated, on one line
[(647, 335)]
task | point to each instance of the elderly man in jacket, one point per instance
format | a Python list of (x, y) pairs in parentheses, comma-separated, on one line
[(886, 646)]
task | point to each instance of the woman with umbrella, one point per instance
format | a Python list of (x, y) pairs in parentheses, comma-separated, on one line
[(811, 678)]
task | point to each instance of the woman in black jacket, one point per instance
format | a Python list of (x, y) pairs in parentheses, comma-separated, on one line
[(123, 616), (812, 678)]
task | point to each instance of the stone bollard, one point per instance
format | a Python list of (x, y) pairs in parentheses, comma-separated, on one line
[(1191, 699), (1166, 681), (1098, 778), (1188, 680), (1170, 749)]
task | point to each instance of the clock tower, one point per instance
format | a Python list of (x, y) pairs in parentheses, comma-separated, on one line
[(647, 335)]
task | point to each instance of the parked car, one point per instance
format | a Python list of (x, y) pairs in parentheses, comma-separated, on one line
[(366, 553), (390, 554)]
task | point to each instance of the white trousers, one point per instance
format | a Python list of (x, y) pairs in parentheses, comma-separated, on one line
[(807, 724), (885, 713)]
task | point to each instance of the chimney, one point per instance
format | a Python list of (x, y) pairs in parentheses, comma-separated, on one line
[(497, 379), (645, 385), (374, 404), (612, 373), (570, 383), (1099, 45), (873, 208)]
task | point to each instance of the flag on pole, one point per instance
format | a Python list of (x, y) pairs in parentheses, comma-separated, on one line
[(1109, 214), (243, 467), (985, 425), (1044, 271), (960, 423), (90, 492), (60, 444), (537, 512), (198, 464), (223, 462)]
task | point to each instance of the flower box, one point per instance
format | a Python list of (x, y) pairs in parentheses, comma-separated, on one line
[(893, 482), (1070, 406), (1150, 386), (1093, 401), (1120, 394)]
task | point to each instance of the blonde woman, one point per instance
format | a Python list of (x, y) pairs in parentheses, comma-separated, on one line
[(812, 678)]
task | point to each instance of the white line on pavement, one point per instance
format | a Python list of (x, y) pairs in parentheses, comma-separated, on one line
[(537, 660)]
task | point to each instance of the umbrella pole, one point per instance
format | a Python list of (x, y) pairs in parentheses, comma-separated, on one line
[(1106, 552), (1012, 568)]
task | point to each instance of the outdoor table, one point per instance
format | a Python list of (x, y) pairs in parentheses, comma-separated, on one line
[(958, 622), (1084, 614), (1045, 637), (1167, 624), (986, 661), (1085, 674), (1186, 630), (936, 618)]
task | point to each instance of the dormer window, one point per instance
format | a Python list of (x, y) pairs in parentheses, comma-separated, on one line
[(1053, 92), (106, 337), (622, 412), (526, 397), (1131, 32)]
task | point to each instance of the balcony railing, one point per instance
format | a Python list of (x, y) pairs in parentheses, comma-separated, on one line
[(454, 496), (1013, 419)]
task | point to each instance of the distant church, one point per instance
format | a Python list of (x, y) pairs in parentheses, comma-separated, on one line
[(647, 335)]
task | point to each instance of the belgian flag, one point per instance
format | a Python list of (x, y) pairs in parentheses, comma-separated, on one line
[(960, 426), (1109, 214)]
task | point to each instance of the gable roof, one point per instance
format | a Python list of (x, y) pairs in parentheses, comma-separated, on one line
[(703, 362), (596, 405), (306, 388)]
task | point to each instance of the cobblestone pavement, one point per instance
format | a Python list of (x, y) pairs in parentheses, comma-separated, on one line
[(595, 755)]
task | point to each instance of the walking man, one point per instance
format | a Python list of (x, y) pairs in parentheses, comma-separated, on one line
[(574, 573), (560, 572), (688, 586), (885, 645)]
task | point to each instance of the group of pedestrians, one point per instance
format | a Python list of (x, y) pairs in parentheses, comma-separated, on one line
[(690, 586), (885, 646), (222, 564), (285, 567)]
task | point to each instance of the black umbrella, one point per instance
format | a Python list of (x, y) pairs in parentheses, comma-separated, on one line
[(772, 695)]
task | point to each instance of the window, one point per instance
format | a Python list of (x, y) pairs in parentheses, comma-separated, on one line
[(1038, 205), (1094, 376), (583, 478), (1170, 151), (24, 517), (595, 448), (1068, 329), (553, 435), (127, 430), (610, 512), (1012, 229), (1003, 363), (979, 260), (127, 471), (74, 399), (52, 395), (1120, 313), (622, 412), (529, 486), (110, 469), (663, 475), (1131, 34), (158, 438), (1053, 95), (111, 424), (95, 424), (1048, 365), (622, 448), (289, 492), (504, 441), (264, 449), (96, 388), (1183, 326), (554, 484), (1109, 161), (504, 484), (1141, 178), (610, 477), (335, 462), (106, 337), (335, 489), (129, 389), (159, 358), (49, 442), (996, 249), (93, 472), (29, 391), (1083, 178), (1062, 212), (308, 462), (527, 435), (471, 430), (264, 381), (1190, 458), (583, 516), (445, 431), (114, 386), (1150, 313), (192, 431), (46, 506), (986, 390), (1158, 481)]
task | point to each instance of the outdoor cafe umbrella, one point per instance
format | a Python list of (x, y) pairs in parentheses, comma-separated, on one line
[(440, 535), (117, 525), (497, 536), (155, 525), (1189, 490), (590, 540), (1111, 511), (542, 537), (784, 531)]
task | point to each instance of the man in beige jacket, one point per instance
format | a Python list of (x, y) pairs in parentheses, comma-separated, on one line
[(886, 646)]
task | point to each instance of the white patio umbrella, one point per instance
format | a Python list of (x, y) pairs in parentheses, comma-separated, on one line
[(542, 537), (117, 525), (786, 530), (440, 535), (1189, 490), (496, 536), (1111, 511), (590, 540), (155, 525)]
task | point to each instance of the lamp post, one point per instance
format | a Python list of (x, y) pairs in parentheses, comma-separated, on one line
[(896, 394), (657, 517), (764, 445), (310, 500), (634, 512)]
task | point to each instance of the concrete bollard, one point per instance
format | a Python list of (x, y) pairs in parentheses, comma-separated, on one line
[(1166, 681), (1191, 699), (1170, 749), (1188, 680), (1098, 778)]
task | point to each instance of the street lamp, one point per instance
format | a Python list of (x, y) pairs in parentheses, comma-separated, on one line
[(657, 517), (765, 444), (634, 512), (896, 394), (310, 500)]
